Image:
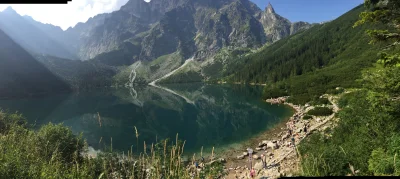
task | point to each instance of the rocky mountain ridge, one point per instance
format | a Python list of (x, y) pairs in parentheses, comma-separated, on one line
[(160, 33), (160, 27)]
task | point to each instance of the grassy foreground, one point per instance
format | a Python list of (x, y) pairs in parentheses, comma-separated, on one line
[(54, 151)]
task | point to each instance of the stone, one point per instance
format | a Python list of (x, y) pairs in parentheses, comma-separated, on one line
[(264, 148), (245, 153), (258, 148), (260, 144), (256, 157), (272, 145), (265, 142), (240, 157), (285, 136), (222, 160), (299, 130)]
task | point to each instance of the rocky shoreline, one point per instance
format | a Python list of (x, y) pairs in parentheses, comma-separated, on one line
[(277, 148)]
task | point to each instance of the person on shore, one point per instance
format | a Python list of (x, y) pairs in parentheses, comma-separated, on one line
[(265, 162), (252, 173), (294, 145)]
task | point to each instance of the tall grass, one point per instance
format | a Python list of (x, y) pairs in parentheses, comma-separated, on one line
[(54, 152)]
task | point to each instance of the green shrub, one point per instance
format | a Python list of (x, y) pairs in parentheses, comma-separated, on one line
[(306, 117), (320, 111), (59, 138)]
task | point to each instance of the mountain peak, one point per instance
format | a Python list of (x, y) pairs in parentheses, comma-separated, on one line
[(269, 8), (28, 17), (9, 9)]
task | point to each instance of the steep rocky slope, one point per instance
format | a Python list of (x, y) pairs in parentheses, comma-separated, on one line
[(277, 27)]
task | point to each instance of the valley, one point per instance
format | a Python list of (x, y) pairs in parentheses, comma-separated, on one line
[(195, 88)]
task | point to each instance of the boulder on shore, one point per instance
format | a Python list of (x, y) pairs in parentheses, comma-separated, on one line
[(285, 136), (240, 157), (263, 143), (256, 157), (272, 145), (222, 160)]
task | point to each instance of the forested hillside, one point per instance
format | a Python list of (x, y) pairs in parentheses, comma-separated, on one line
[(366, 139), (79, 75), (22, 75), (310, 63), (316, 48)]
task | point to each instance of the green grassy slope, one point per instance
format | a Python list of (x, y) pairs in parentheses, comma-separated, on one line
[(149, 71)]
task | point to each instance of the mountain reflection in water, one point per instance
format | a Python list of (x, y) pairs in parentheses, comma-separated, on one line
[(218, 115)]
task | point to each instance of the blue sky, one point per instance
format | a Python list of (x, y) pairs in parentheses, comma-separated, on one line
[(310, 10)]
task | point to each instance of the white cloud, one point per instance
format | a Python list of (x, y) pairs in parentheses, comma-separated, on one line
[(66, 15)]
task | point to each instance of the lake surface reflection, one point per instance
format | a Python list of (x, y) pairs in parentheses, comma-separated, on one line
[(203, 115)]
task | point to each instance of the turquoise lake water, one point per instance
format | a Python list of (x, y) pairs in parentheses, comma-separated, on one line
[(202, 115)]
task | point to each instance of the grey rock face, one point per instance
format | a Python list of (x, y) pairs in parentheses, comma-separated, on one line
[(192, 27), (187, 28), (297, 26), (277, 27)]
